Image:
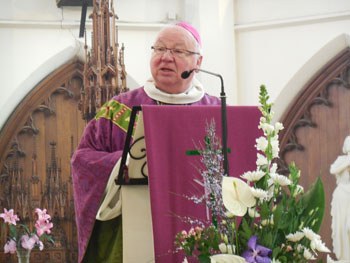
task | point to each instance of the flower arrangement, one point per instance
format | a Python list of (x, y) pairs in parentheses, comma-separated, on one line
[(262, 216), (21, 237)]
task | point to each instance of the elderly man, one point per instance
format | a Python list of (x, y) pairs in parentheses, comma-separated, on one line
[(176, 49)]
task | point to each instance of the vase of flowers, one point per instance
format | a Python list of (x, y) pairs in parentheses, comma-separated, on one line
[(260, 217), (21, 240)]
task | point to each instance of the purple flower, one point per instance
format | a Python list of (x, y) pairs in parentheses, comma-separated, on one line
[(256, 253)]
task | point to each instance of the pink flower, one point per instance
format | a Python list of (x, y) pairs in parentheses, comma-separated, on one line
[(10, 247), (28, 242), (9, 217), (26, 239), (43, 226), (42, 215)]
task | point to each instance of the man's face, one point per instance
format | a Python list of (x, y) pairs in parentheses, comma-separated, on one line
[(166, 67)]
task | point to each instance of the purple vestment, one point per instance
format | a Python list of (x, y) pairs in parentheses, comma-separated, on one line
[(100, 148)]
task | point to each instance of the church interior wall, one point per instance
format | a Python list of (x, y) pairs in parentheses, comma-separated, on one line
[(249, 42), (274, 41)]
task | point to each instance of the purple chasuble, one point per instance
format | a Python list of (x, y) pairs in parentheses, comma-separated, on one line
[(100, 148)]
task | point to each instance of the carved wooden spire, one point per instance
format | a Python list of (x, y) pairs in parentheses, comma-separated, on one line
[(104, 71)]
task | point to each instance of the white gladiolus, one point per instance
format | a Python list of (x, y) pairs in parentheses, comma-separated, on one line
[(261, 160), (278, 127), (273, 168), (267, 128), (275, 147), (261, 144)]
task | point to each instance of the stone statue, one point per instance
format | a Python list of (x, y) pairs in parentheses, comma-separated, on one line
[(340, 206)]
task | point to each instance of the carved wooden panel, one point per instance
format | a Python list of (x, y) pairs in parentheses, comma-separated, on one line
[(316, 125), (36, 144)]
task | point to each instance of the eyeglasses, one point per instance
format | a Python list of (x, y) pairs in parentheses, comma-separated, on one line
[(180, 53)]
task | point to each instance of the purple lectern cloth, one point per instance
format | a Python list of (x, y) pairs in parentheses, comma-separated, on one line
[(170, 131)]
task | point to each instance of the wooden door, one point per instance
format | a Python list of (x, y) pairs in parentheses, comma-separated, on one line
[(36, 144)]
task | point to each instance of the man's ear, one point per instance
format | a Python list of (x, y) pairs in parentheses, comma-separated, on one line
[(199, 61)]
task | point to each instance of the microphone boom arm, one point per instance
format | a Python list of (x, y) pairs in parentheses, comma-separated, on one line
[(223, 119)]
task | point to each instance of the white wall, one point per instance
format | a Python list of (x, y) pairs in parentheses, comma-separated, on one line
[(248, 42), (275, 39), (37, 37)]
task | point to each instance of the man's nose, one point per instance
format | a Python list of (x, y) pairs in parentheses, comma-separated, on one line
[(168, 55)]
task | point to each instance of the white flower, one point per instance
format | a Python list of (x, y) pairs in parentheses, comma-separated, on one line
[(273, 168), (297, 236), (300, 247), (259, 193), (224, 237), (253, 213), (236, 195), (261, 160), (185, 260), (41, 245), (267, 128), (275, 146), (280, 179), (317, 244), (253, 176), (261, 144), (231, 249), (223, 248), (330, 260), (278, 127), (298, 190), (308, 255), (309, 234), (266, 222), (225, 258)]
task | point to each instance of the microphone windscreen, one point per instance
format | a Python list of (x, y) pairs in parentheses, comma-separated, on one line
[(185, 74)]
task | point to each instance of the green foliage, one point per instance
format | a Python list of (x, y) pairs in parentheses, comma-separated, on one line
[(314, 205)]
